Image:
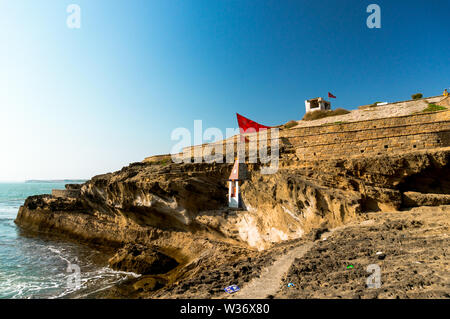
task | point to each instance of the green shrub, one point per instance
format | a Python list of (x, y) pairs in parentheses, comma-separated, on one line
[(417, 96), (433, 108), (320, 114), (290, 124)]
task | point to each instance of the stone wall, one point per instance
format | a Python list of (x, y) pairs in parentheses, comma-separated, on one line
[(374, 137), (364, 138), (445, 102)]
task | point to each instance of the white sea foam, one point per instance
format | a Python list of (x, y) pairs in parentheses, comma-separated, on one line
[(37, 268)]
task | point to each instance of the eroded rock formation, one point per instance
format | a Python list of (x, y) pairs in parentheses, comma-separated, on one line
[(142, 260), (165, 205), (168, 220)]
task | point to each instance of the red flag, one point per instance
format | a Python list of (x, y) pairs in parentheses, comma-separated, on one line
[(245, 123), (331, 95)]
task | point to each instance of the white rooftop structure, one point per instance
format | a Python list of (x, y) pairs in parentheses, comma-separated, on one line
[(317, 104)]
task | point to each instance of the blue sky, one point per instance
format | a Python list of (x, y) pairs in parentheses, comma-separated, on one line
[(79, 102)]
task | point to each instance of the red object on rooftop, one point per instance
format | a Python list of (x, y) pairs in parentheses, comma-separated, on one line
[(331, 95), (245, 124)]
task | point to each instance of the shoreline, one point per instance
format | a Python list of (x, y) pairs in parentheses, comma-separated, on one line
[(406, 223), (172, 224)]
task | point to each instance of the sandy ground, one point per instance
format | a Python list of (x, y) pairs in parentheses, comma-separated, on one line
[(413, 255), (268, 282), (412, 249)]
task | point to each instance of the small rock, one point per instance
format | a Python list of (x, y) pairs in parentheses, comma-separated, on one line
[(382, 256)]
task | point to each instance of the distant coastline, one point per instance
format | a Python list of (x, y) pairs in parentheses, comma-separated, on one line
[(67, 181)]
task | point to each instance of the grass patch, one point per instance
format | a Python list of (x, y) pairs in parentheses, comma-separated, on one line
[(320, 114), (368, 106), (333, 123), (165, 162), (162, 162), (290, 124), (433, 108)]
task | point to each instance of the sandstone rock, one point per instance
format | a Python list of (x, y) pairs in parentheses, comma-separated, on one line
[(415, 199), (142, 260), (73, 186), (148, 283), (175, 205)]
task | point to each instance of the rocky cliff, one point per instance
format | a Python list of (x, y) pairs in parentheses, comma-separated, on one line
[(149, 203), (171, 220)]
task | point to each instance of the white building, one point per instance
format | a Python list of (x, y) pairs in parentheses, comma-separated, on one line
[(238, 173), (317, 104)]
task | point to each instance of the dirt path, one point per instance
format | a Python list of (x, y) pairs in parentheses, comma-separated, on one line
[(411, 249), (268, 284), (269, 281)]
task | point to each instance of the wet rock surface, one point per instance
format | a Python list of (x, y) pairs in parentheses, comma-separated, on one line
[(142, 260)]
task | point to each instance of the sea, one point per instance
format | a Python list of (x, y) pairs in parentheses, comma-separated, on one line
[(34, 266)]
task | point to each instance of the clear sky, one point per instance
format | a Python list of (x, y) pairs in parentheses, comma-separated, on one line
[(75, 103)]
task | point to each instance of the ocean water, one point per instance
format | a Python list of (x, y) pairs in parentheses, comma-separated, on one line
[(38, 267)]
